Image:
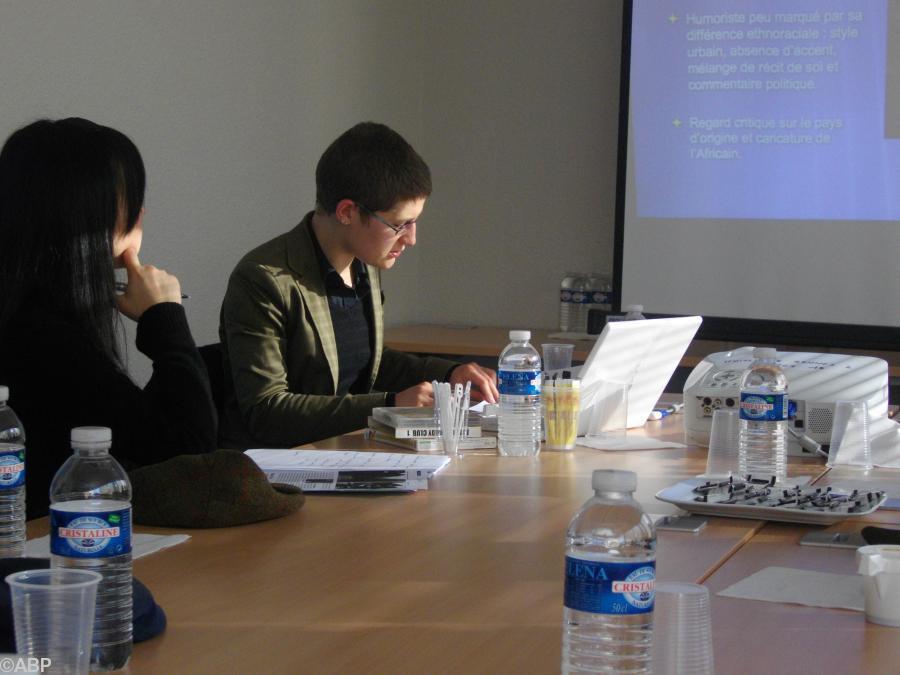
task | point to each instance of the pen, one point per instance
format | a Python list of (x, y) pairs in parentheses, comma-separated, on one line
[(122, 285), (659, 413)]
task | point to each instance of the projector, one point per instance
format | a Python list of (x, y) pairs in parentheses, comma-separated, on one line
[(815, 383)]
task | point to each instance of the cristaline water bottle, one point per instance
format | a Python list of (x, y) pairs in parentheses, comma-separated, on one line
[(610, 581), (12, 480), (90, 528), (764, 411), (519, 380)]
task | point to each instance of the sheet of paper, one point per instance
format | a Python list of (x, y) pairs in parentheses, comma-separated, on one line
[(345, 460), (803, 587), (627, 443), (141, 544)]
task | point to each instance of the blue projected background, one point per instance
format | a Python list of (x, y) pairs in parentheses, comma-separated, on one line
[(763, 168)]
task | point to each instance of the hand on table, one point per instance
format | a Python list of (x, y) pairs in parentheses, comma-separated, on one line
[(484, 381), (421, 394)]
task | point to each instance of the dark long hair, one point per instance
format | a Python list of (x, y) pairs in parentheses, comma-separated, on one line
[(63, 185)]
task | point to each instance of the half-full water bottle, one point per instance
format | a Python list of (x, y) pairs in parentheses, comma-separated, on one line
[(610, 581), (764, 412), (519, 379), (90, 528), (12, 480)]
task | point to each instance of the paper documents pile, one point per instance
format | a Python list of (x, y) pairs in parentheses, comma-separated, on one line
[(348, 470)]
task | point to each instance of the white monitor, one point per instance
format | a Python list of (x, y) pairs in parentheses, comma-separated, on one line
[(643, 354)]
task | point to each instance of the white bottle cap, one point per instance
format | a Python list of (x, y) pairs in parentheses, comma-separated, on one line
[(634, 308), (765, 353), (91, 437), (613, 480), (4, 393), (520, 335)]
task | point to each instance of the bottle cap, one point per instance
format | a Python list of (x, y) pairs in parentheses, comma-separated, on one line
[(634, 308), (765, 353), (91, 437), (613, 480), (4, 393), (520, 335)]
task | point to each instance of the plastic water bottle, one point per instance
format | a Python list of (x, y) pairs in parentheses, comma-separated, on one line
[(90, 528), (565, 301), (634, 313), (610, 581), (12, 480), (763, 412), (579, 303), (519, 379), (600, 290)]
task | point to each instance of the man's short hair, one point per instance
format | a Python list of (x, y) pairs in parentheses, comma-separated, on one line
[(372, 165)]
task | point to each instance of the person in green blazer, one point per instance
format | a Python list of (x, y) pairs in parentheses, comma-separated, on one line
[(301, 325)]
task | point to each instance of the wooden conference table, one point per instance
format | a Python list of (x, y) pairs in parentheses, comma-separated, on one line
[(467, 577)]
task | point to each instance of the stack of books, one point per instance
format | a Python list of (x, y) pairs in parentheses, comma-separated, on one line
[(416, 429)]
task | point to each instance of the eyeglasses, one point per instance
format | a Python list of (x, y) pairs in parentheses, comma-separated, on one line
[(398, 229)]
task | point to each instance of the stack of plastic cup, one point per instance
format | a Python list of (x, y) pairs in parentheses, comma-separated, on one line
[(722, 459), (53, 614), (850, 442), (557, 357), (682, 631)]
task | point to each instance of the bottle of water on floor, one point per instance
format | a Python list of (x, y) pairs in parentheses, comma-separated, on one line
[(764, 411), (90, 528), (12, 480), (519, 379), (610, 581)]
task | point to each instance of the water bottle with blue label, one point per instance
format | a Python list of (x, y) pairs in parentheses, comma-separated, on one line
[(762, 442), (519, 382), (90, 528), (610, 580), (12, 480)]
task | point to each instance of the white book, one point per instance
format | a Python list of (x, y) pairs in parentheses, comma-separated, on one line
[(418, 432), (419, 420)]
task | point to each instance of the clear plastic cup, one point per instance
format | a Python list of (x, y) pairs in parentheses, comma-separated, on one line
[(722, 458), (682, 630), (557, 357), (53, 614), (850, 443)]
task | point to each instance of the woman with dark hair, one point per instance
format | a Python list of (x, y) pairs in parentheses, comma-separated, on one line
[(71, 209)]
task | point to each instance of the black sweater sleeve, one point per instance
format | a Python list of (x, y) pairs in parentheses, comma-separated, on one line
[(175, 413), (59, 379)]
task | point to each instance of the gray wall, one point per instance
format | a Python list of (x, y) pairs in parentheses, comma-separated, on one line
[(513, 104)]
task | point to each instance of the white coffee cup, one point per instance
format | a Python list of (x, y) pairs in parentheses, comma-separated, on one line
[(880, 567)]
